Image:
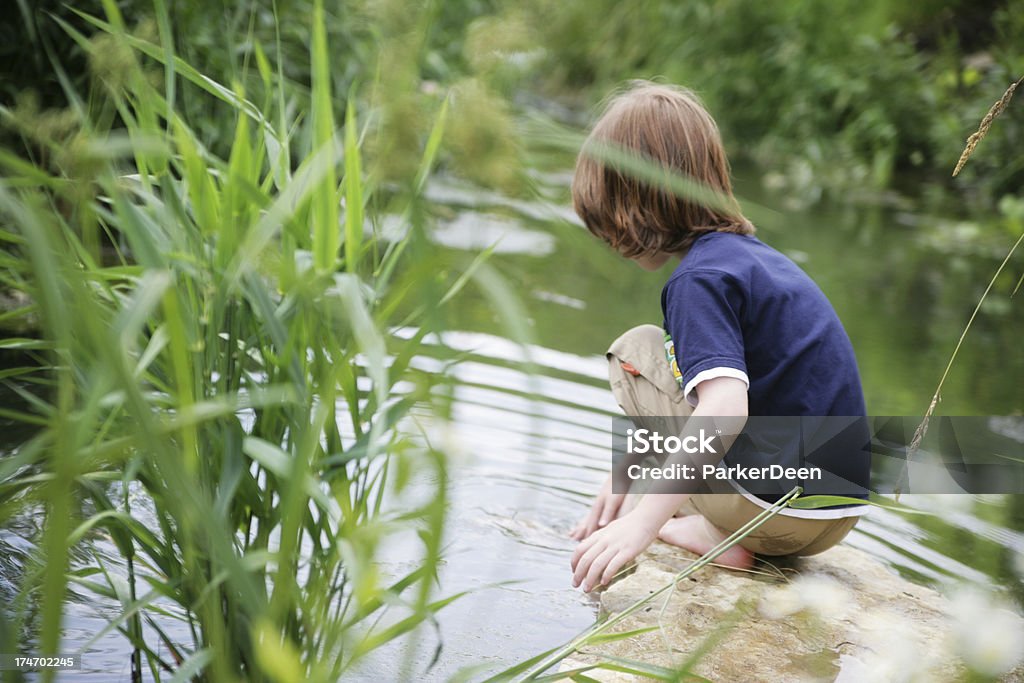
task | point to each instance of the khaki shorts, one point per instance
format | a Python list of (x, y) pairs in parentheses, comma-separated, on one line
[(654, 392)]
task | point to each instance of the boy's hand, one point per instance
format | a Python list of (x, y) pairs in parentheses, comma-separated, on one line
[(601, 555), (605, 509)]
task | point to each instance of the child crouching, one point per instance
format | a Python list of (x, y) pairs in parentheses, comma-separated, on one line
[(747, 332)]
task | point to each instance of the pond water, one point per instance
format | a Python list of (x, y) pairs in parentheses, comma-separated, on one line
[(531, 449)]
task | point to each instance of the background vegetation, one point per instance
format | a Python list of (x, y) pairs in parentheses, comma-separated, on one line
[(845, 97)]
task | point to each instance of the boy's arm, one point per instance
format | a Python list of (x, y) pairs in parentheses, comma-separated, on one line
[(602, 554)]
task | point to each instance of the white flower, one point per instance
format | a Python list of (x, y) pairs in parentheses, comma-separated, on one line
[(989, 637), (894, 652), (895, 666), (780, 602), (823, 596)]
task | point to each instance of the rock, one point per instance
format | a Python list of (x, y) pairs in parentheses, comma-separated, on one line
[(840, 615)]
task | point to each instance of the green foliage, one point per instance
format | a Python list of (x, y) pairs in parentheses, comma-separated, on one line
[(847, 97), (841, 96), (202, 352), (227, 42)]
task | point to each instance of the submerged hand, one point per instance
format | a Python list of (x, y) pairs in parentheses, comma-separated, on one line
[(601, 555), (605, 509)]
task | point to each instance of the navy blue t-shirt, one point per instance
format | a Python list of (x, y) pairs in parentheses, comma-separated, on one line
[(736, 307)]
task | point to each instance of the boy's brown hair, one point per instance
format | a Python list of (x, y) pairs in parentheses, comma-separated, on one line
[(668, 126)]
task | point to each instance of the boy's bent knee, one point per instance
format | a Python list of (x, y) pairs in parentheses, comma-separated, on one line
[(642, 350), (649, 339)]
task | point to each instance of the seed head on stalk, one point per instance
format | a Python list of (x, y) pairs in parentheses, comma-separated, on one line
[(985, 124)]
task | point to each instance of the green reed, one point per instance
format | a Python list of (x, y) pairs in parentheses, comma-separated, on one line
[(215, 387)]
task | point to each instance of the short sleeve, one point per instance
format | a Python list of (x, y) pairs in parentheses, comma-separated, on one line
[(703, 310)]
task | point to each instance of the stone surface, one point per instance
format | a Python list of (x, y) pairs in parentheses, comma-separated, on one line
[(840, 615)]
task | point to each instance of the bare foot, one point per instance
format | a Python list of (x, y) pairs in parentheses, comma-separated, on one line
[(693, 533)]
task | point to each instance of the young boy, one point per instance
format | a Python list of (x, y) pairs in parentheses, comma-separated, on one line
[(752, 335)]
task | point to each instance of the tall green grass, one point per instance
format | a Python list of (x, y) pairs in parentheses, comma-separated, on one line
[(215, 388)]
